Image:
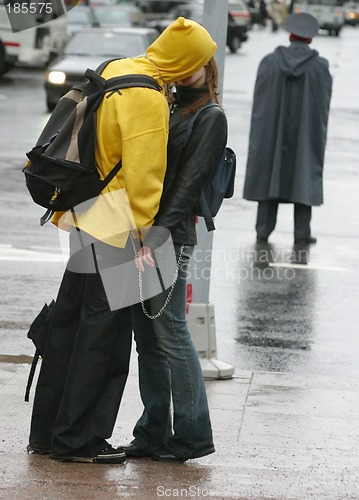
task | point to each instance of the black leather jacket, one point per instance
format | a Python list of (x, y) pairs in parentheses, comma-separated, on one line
[(190, 161)]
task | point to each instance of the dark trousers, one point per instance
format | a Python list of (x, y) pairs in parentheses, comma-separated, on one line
[(83, 371), (267, 218)]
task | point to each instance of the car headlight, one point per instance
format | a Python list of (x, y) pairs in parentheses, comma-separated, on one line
[(56, 77)]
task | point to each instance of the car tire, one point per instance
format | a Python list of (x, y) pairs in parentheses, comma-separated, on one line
[(234, 44), (3, 65), (50, 105)]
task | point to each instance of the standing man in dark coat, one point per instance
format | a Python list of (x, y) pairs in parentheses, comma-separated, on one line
[(288, 131)]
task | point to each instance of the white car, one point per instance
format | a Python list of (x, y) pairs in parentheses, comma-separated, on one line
[(329, 13), (33, 46), (88, 49)]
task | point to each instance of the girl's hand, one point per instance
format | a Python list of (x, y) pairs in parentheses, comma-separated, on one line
[(144, 257)]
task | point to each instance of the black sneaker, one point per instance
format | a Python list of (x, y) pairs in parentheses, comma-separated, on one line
[(306, 241), (36, 450), (135, 451), (108, 455)]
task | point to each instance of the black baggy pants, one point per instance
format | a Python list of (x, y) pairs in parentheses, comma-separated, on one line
[(267, 219), (83, 371)]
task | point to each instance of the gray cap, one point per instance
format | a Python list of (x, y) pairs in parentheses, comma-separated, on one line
[(302, 24)]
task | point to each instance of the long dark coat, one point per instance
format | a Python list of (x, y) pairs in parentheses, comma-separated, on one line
[(289, 127)]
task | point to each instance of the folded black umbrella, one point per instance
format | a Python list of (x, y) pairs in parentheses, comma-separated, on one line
[(38, 334)]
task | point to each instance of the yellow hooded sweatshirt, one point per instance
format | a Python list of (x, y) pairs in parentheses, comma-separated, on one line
[(133, 125)]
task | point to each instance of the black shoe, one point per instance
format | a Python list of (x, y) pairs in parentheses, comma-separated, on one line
[(166, 456), (305, 241), (135, 451), (36, 450), (108, 455), (204, 452), (300, 255), (262, 239)]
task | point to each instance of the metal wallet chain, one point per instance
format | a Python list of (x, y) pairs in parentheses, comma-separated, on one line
[(170, 292)]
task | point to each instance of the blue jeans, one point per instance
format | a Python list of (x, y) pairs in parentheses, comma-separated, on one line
[(170, 371)]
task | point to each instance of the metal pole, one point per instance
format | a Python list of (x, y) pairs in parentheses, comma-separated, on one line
[(201, 318), (215, 20)]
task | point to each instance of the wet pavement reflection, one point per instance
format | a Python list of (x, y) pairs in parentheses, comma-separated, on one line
[(295, 308), (275, 309)]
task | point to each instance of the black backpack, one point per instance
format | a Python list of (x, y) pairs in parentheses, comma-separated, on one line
[(221, 183), (61, 171)]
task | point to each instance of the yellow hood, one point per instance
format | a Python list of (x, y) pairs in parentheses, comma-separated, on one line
[(183, 48)]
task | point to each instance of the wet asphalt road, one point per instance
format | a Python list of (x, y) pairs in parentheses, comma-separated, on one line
[(276, 309)]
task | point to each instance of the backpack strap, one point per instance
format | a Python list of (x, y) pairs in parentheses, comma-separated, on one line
[(206, 213), (116, 83), (193, 118), (46, 217), (136, 80), (112, 174), (105, 63), (121, 82), (132, 80), (31, 375)]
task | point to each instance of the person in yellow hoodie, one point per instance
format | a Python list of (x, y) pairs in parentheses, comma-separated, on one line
[(86, 357)]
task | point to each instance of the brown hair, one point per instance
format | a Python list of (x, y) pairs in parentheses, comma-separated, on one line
[(212, 88), (296, 38)]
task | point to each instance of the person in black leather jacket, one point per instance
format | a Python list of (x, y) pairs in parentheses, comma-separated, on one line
[(169, 368), (190, 162)]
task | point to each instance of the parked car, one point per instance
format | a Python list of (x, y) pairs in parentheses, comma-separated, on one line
[(254, 11), (153, 8), (241, 15), (351, 12), (88, 49), (329, 13), (3, 64), (236, 33), (31, 46), (80, 17), (119, 14)]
